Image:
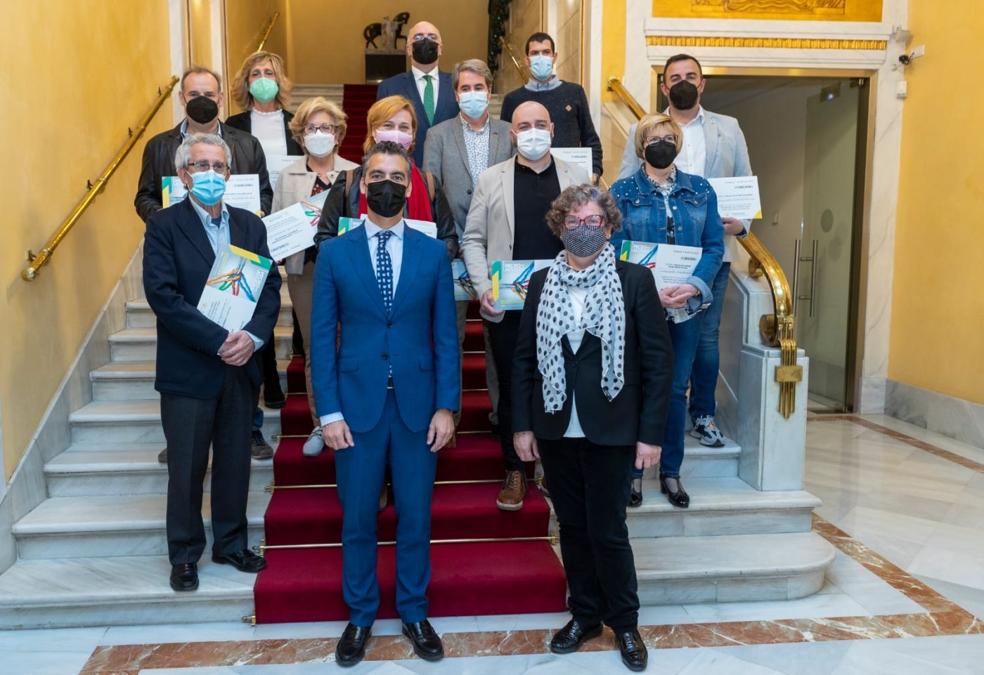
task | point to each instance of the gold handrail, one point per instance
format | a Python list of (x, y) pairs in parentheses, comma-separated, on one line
[(267, 31), (38, 260), (777, 329), (523, 72)]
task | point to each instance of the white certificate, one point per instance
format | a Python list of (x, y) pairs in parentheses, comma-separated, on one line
[(233, 287), (427, 227), (242, 191), (275, 164), (670, 264), (738, 197), (292, 229), (579, 157)]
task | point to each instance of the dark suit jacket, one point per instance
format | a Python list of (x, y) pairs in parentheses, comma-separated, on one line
[(405, 86), (638, 413), (177, 258), (158, 161), (244, 122)]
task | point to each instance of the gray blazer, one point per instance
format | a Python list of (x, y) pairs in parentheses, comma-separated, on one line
[(446, 157)]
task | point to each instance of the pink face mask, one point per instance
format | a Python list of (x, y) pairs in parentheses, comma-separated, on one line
[(394, 135)]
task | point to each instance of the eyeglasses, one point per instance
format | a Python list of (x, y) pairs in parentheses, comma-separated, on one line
[(570, 222), (656, 139), (425, 36), (323, 128), (205, 165)]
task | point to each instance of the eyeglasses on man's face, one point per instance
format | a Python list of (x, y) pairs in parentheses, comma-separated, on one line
[(205, 165)]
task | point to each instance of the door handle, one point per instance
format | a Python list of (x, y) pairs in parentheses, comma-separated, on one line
[(813, 259)]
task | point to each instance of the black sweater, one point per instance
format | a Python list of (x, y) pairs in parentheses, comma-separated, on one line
[(569, 112)]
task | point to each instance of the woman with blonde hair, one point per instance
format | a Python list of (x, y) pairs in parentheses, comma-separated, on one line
[(390, 119), (261, 88)]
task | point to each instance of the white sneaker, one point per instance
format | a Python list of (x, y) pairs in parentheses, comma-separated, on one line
[(314, 444), (707, 432)]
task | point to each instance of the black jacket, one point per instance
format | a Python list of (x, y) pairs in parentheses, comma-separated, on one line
[(177, 258), (244, 122), (337, 207), (639, 411), (158, 162)]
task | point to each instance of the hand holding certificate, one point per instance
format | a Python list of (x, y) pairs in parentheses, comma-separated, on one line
[(738, 197), (671, 265), (233, 287)]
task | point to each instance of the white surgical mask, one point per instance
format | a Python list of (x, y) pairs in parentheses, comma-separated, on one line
[(319, 144), (533, 143)]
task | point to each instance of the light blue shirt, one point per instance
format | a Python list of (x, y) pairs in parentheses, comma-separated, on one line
[(534, 84), (219, 238)]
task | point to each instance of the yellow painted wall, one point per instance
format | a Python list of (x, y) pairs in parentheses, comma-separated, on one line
[(799, 10), (200, 32), (937, 338), (613, 42), (85, 70), (327, 44)]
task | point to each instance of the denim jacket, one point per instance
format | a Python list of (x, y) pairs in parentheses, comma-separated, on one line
[(695, 221)]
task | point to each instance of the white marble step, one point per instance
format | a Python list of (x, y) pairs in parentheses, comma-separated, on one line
[(134, 380), (118, 591), (126, 469), (140, 344), (140, 315), (687, 570), (720, 506), (136, 422), (110, 526)]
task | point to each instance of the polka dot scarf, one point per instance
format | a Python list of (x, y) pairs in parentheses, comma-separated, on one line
[(603, 317)]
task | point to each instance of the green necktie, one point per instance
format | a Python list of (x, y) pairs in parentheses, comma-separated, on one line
[(429, 98)]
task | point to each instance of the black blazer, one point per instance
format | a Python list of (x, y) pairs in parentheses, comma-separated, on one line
[(244, 122), (404, 85), (638, 413), (158, 161), (177, 258)]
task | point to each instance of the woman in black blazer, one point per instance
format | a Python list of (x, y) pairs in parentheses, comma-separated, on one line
[(591, 384)]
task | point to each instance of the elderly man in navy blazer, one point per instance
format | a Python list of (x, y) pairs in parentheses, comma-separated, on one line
[(207, 375), (386, 389), (425, 86)]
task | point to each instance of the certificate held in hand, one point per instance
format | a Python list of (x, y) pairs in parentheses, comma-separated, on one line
[(292, 229), (738, 197), (670, 264), (511, 281), (233, 287)]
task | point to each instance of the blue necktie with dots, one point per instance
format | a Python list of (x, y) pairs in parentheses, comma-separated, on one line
[(384, 269)]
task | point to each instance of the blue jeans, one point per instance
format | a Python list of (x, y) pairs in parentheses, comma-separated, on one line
[(707, 362), (257, 418)]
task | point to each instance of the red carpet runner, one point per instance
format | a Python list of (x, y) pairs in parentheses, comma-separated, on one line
[(356, 101), (506, 576)]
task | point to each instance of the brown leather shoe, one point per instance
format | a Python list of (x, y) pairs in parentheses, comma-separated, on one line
[(512, 492)]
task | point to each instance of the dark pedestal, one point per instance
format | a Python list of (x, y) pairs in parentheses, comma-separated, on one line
[(379, 66)]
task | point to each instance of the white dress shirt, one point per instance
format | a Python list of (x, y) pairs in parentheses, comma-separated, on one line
[(418, 77), (578, 297), (693, 159)]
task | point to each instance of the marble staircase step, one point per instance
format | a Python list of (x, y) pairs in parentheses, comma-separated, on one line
[(134, 380), (136, 422), (140, 344), (738, 568), (118, 591), (123, 469), (720, 506), (139, 314), (110, 526)]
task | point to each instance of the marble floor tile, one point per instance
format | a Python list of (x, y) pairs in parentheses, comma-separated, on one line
[(971, 599), (52, 639), (945, 442), (43, 662)]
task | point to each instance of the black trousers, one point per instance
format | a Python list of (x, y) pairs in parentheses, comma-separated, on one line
[(589, 486), (191, 425), (503, 336)]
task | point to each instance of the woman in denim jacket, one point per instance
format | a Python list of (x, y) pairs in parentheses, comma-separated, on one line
[(644, 200)]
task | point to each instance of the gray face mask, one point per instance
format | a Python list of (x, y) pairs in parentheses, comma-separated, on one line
[(584, 241)]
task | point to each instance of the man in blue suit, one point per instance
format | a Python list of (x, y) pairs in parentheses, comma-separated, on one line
[(207, 376), (426, 87), (385, 390)]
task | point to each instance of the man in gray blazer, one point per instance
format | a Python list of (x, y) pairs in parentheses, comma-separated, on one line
[(456, 153), (506, 222), (713, 147)]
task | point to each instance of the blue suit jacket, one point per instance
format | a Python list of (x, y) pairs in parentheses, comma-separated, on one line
[(419, 338), (177, 258), (404, 85)]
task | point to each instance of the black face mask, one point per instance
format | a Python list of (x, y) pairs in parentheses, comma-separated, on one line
[(386, 198), (202, 109), (424, 52), (683, 95), (660, 154)]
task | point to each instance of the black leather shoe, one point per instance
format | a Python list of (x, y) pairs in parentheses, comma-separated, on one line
[(570, 638), (244, 561), (426, 643), (677, 497), (184, 577), (635, 493), (633, 650), (351, 646)]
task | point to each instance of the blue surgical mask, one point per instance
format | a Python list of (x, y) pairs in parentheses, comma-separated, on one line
[(474, 103), (541, 66), (208, 187)]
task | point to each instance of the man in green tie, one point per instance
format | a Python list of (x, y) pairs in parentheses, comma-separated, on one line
[(425, 86)]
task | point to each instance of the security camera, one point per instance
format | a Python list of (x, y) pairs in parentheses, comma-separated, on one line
[(905, 59)]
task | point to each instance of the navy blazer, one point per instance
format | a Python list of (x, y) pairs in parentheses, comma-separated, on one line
[(419, 338), (177, 258), (405, 86)]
